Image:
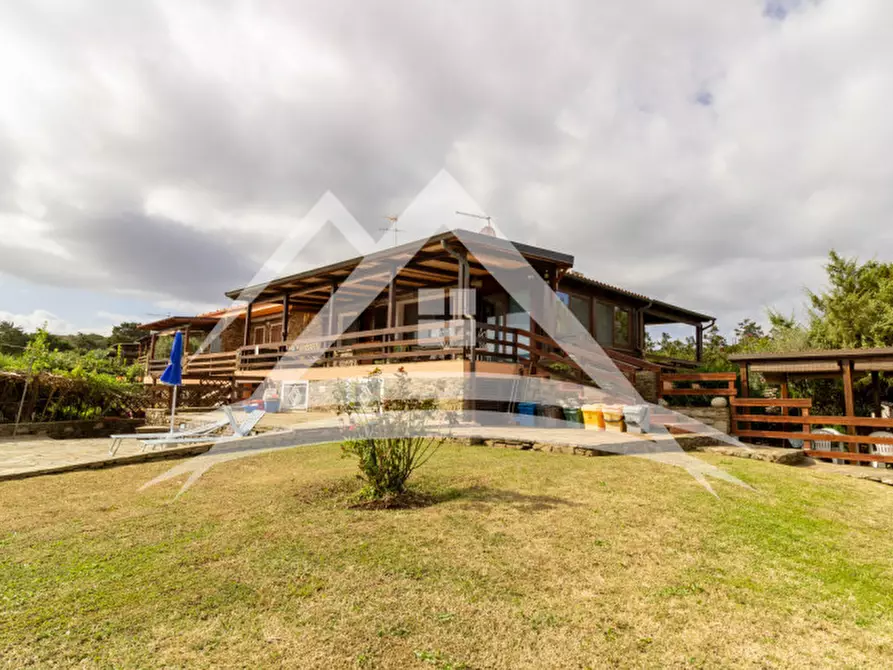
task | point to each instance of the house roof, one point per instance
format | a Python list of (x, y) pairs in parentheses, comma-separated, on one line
[(425, 259), (425, 264), (656, 311)]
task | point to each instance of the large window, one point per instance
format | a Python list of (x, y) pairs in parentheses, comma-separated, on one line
[(621, 327), (604, 324), (580, 308)]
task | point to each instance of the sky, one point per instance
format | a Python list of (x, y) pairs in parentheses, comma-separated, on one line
[(153, 154)]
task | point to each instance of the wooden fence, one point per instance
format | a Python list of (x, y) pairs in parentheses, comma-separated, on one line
[(699, 384), (743, 417)]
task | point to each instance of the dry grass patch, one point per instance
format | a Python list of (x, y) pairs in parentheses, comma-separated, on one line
[(517, 559)]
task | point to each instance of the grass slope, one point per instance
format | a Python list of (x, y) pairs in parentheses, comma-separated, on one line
[(527, 560)]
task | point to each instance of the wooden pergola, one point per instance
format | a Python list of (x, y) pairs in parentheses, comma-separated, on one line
[(780, 368)]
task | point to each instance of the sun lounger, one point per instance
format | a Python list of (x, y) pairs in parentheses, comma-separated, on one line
[(242, 429), (204, 429)]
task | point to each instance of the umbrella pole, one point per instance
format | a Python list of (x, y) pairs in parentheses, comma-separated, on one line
[(173, 408)]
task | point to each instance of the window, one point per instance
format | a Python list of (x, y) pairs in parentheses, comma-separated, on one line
[(276, 332), (621, 327), (259, 334), (604, 324), (581, 307)]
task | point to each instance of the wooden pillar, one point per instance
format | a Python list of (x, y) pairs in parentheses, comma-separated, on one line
[(745, 384), (152, 342), (330, 317), (785, 394), (285, 307), (246, 335), (392, 299), (699, 342), (847, 367), (186, 350), (876, 392)]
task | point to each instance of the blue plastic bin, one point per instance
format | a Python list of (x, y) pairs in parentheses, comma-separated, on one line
[(526, 413)]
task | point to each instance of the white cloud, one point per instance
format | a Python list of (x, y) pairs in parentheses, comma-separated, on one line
[(37, 319)]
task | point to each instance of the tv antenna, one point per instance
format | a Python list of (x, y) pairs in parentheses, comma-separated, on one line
[(488, 229), (393, 226)]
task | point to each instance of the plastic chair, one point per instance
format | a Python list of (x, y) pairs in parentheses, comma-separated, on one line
[(823, 445), (881, 449)]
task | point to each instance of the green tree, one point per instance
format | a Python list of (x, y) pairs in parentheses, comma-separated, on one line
[(748, 329), (856, 309), (12, 337), (126, 331)]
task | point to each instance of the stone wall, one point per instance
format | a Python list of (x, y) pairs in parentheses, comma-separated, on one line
[(447, 392), (72, 429), (715, 417), (646, 385)]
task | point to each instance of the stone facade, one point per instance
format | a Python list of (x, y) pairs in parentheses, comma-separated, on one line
[(447, 392), (646, 385), (715, 417)]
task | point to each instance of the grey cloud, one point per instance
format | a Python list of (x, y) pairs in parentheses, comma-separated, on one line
[(577, 126)]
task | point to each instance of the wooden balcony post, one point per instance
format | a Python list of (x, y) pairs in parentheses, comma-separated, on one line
[(876, 392), (847, 367), (285, 307), (392, 302), (699, 342), (785, 394), (745, 383), (247, 333)]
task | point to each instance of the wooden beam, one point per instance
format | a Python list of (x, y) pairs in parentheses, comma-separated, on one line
[(848, 402), (745, 383), (247, 332), (876, 392), (699, 342), (285, 306), (785, 394), (392, 301)]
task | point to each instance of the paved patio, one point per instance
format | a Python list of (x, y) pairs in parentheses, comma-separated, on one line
[(29, 456)]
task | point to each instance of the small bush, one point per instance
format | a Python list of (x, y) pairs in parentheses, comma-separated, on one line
[(390, 436)]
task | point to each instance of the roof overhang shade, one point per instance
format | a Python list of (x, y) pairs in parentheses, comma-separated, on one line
[(432, 265), (176, 322), (820, 363)]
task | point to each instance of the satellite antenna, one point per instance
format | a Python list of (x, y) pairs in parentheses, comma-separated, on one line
[(393, 226), (488, 229)]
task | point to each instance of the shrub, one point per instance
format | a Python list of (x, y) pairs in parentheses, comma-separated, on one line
[(389, 435)]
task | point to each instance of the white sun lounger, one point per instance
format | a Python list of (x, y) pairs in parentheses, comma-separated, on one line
[(204, 429), (238, 430)]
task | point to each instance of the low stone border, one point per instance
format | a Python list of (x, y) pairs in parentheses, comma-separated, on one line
[(778, 455), (530, 445), (113, 461)]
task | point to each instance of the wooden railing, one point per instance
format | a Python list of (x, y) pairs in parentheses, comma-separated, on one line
[(211, 365), (383, 345), (436, 340), (742, 417), (720, 384)]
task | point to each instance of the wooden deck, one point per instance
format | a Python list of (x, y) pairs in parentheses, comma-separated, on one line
[(431, 341)]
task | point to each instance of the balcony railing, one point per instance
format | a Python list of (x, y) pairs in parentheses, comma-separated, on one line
[(429, 341)]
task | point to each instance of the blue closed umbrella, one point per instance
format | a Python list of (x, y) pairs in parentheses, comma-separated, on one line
[(173, 373)]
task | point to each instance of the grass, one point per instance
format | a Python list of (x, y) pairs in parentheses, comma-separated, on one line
[(525, 560)]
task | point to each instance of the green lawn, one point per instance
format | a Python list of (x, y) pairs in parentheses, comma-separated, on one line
[(527, 560)]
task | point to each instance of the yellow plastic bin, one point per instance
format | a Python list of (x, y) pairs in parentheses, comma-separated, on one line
[(613, 415), (593, 418)]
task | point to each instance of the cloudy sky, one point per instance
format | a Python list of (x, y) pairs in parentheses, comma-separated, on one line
[(153, 154)]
